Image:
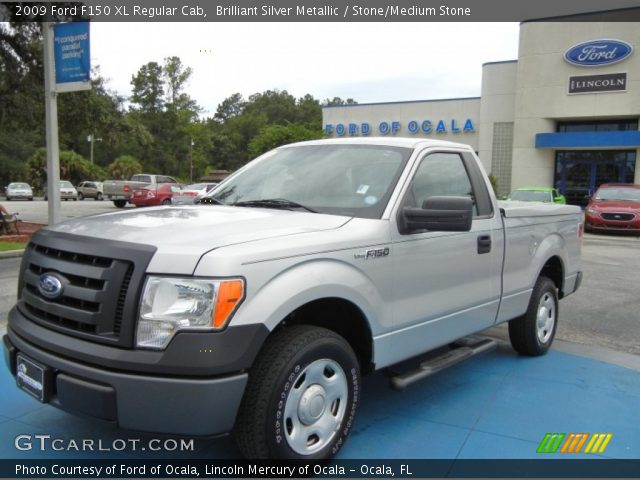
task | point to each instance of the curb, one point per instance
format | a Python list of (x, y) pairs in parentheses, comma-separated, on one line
[(11, 254)]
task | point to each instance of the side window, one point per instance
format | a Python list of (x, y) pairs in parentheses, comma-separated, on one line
[(440, 175), (141, 178)]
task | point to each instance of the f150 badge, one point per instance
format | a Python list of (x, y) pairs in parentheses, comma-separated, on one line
[(373, 253)]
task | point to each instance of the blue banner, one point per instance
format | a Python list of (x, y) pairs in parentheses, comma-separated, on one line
[(72, 52)]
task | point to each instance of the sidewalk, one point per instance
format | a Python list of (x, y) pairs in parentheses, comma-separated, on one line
[(496, 406)]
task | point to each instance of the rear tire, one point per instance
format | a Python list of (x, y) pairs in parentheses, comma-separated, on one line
[(80, 196), (302, 396), (166, 201), (120, 203), (533, 333), (99, 197)]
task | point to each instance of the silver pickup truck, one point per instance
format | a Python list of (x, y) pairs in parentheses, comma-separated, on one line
[(258, 310), (120, 191)]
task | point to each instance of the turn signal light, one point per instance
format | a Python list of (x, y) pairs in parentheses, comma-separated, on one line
[(230, 294)]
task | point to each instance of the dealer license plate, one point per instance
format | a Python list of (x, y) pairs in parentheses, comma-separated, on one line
[(30, 377)]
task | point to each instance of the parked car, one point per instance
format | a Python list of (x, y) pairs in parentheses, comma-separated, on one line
[(67, 191), (192, 193), (538, 194), (259, 309), (614, 207), (154, 194), (17, 190), (90, 190), (119, 191)]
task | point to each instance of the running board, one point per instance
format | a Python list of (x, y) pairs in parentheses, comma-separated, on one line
[(461, 350)]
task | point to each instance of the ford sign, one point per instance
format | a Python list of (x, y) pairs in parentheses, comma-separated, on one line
[(49, 286), (596, 53)]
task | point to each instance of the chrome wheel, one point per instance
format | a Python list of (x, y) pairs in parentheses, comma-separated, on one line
[(315, 406), (546, 317)]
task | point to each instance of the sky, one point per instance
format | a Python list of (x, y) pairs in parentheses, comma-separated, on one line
[(369, 62)]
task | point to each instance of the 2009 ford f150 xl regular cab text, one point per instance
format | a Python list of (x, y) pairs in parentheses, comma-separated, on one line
[(258, 310)]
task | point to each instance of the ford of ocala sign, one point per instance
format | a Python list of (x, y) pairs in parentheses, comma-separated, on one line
[(596, 53)]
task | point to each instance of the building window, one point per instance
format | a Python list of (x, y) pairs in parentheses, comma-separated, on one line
[(502, 150), (598, 126)]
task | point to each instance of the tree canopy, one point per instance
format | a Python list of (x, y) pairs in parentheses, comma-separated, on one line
[(158, 128)]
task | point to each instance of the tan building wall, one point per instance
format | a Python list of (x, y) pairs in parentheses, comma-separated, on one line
[(458, 110), (542, 84)]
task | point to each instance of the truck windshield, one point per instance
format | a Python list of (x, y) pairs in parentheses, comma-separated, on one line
[(352, 180)]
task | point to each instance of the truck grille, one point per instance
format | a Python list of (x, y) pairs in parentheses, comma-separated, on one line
[(101, 281), (621, 217)]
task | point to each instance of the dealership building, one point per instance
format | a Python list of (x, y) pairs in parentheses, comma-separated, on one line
[(564, 114)]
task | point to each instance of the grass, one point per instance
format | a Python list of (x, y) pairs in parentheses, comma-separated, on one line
[(4, 246)]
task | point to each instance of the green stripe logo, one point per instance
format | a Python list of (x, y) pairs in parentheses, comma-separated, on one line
[(550, 443)]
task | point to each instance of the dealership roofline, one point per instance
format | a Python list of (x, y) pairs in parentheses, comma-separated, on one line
[(584, 16), (499, 62), (401, 101)]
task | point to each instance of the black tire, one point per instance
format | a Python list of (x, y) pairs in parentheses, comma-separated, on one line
[(120, 203), (31, 199), (529, 334), (262, 427), (75, 199), (98, 197), (8, 199), (80, 196), (166, 201)]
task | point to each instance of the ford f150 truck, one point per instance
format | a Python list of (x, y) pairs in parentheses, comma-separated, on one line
[(258, 310), (120, 191)]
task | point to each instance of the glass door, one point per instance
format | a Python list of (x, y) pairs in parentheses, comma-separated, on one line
[(579, 173)]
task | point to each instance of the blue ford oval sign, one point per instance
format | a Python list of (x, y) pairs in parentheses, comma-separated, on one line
[(596, 53), (49, 286)]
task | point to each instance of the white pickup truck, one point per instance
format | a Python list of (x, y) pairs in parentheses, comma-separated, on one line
[(120, 191), (258, 310)]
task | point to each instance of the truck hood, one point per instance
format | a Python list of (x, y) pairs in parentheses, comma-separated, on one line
[(183, 234)]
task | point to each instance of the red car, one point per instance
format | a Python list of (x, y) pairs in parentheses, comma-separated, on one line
[(615, 207), (154, 194)]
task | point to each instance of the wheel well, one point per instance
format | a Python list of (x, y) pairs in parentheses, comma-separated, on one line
[(553, 270), (342, 317)]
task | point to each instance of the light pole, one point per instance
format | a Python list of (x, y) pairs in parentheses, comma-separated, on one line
[(91, 138), (191, 161)]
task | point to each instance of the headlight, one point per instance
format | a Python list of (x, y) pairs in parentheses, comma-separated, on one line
[(592, 211), (171, 304)]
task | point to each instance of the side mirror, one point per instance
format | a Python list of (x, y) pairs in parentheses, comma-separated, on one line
[(439, 214)]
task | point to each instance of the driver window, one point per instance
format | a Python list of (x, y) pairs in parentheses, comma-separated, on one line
[(440, 175)]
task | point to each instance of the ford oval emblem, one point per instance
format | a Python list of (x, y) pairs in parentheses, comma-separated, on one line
[(596, 53), (49, 285)]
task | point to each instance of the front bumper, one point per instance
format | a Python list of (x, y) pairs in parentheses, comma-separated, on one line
[(597, 223), (150, 403)]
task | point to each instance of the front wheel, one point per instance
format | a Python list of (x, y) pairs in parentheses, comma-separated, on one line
[(99, 197), (533, 333), (120, 203), (301, 398)]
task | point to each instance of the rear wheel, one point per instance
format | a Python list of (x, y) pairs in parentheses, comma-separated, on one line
[(533, 333), (301, 398), (80, 196), (99, 196), (120, 203), (166, 201)]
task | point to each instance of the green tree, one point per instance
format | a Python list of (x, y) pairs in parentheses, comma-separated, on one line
[(230, 107), (123, 167), (148, 88), (73, 167), (337, 101), (276, 135)]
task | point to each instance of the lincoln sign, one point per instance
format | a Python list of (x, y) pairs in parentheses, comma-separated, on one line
[(612, 82)]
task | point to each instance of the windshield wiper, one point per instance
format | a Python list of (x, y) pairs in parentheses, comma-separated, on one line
[(274, 203), (210, 201)]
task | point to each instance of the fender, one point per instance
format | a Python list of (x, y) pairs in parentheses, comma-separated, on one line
[(312, 280)]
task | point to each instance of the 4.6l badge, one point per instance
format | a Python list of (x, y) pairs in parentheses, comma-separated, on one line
[(373, 253)]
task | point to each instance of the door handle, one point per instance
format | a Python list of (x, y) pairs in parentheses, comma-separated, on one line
[(484, 244)]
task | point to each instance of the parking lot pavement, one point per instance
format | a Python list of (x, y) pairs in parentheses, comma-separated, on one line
[(37, 210), (496, 406)]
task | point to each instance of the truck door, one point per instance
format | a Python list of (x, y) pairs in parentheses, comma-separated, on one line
[(446, 284)]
